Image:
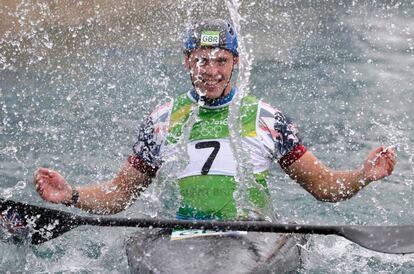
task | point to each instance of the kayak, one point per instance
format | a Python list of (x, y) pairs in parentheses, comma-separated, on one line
[(198, 251)]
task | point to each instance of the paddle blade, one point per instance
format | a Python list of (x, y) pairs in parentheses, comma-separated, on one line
[(21, 222), (386, 239)]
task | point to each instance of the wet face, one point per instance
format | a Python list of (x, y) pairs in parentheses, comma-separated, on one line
[(211, 70)]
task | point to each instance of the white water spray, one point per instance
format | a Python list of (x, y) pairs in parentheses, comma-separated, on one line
[(398, 139), (245, 179), (166, 197)]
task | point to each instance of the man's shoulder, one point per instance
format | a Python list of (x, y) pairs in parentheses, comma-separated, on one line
[(266, 109), (161, 111), (183, 99), (263, 105), (164, 110), (250, 100)]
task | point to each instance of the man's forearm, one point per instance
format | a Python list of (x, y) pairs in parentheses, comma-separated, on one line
[(332, 186), (113, 196), (335, 186), (323, 183)]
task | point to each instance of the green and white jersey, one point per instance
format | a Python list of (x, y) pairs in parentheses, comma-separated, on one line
[(208, 182)]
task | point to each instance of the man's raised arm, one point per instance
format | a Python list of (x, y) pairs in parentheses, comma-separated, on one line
[(332, 186), (102, 198)]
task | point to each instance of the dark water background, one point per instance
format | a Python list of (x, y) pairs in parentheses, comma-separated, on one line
[(76, 81)]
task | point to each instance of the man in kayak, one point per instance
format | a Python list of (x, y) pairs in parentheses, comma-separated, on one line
[(198, 123)]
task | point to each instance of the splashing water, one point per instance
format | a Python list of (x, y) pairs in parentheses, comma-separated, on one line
[(80, 82), (8, 192), (244, 174), (396, 137), (165, 197), (20, 185)]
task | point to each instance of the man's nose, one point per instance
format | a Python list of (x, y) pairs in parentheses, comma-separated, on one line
[(210, 68)]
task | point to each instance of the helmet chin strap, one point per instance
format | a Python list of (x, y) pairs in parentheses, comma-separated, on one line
[(204, 98)]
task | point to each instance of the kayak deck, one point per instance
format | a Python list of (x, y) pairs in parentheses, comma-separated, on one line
[(154, 251)]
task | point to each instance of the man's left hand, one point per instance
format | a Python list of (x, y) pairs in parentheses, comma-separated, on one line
[(379, 164)]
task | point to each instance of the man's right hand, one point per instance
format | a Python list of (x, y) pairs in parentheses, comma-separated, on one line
[(52, 186)]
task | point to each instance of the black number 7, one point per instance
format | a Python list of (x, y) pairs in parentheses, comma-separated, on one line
[(209, 162)]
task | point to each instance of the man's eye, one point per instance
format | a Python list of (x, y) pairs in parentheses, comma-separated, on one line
[(222, 61), (200, 61)]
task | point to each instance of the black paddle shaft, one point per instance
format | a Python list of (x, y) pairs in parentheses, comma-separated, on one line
[(46, 224), (386, 239), (258, 226)]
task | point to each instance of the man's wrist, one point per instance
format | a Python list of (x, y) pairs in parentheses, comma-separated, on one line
[(362, 178), (73, 199)]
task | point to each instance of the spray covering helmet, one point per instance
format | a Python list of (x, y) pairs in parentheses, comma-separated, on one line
[(216, 33)]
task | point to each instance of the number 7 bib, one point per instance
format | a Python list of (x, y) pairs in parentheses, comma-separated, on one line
[(210, 157)]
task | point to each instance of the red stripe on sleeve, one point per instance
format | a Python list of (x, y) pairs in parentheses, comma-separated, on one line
[(142, 166), (292, 156)]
